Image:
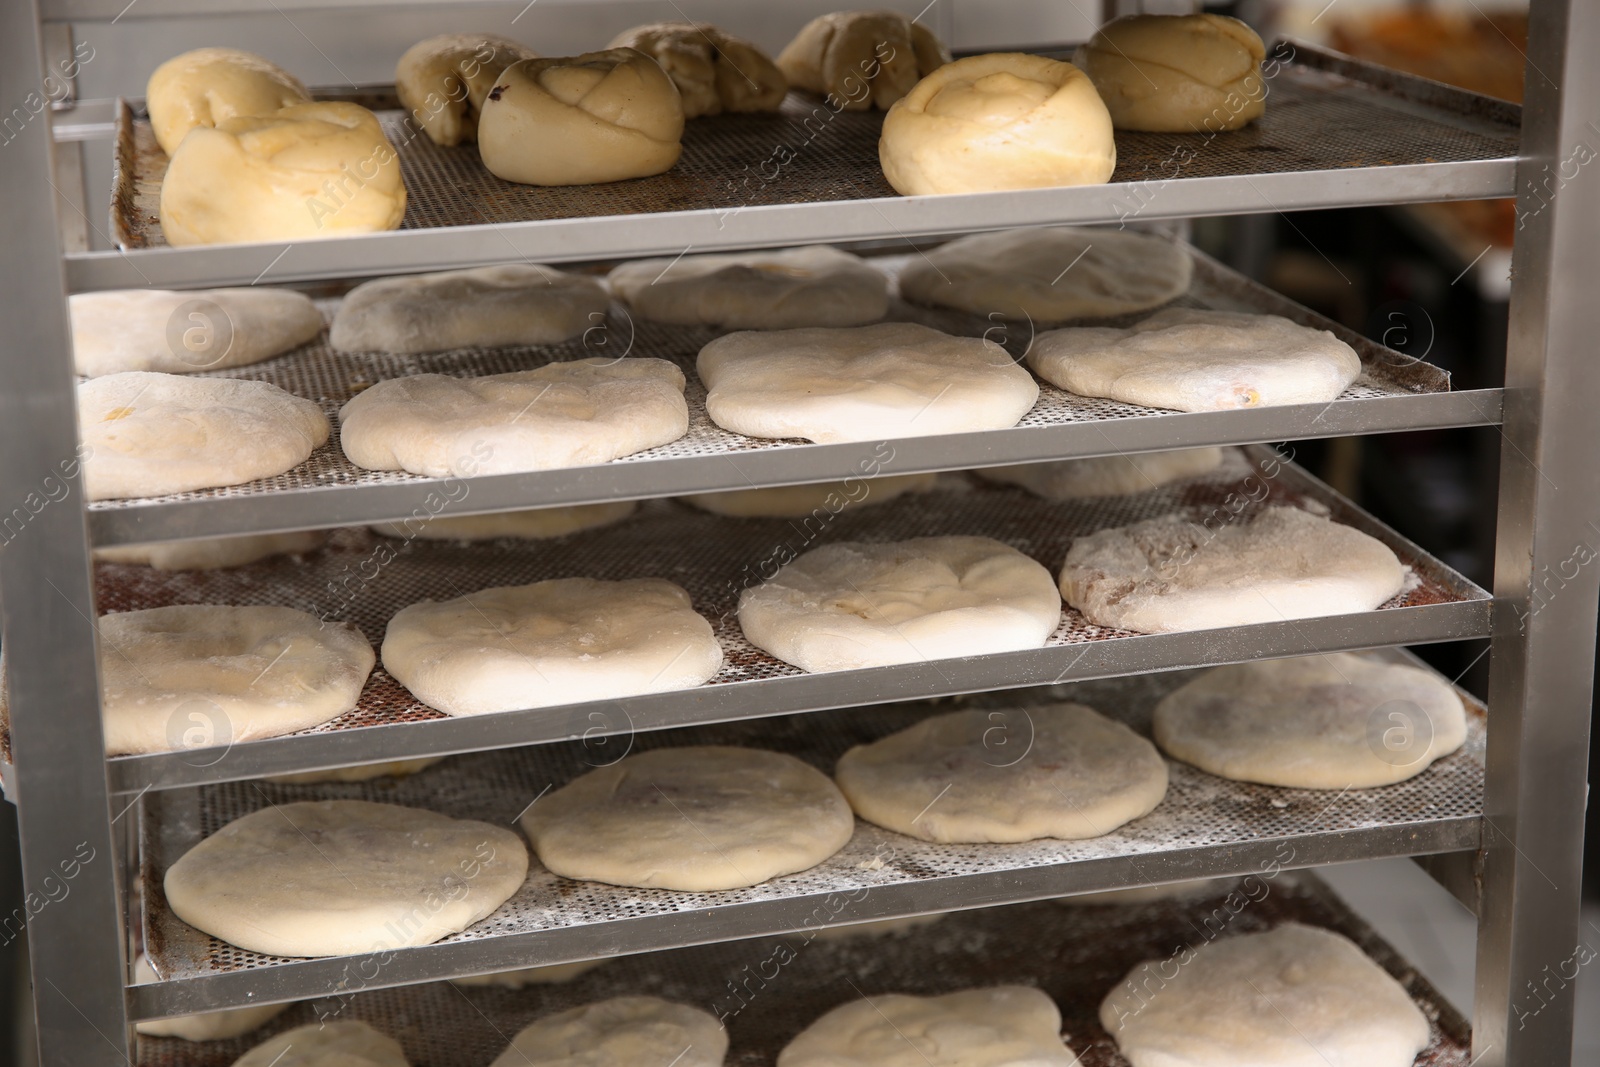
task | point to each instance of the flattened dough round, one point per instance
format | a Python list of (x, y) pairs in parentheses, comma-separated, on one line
[(554, 974), (1294, 996), (796, 287), (852, 605), (361, 772), (1070, 479), (1177, 73), (713, 70), (620, 1032), (180, 332), (570, 414), (563, 641), (212, 553), (1339, 721), (443, 81), (334, 1043), (207, 1026), (862, 383), (209, 85), (861, 59), (795, 501), (1173, 574), (339, 877), (696, 819), (148, 434), (535, 524)]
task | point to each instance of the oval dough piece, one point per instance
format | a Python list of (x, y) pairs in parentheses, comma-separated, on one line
[(207, 1026), (1049, 273), (486, 307), (1177, 73), (443, 81), (713, 70), (1070, 479), (796, 287), (210, 85), (694, 819), (535, 524), (332, 1043), (995, 122), (1313, 722), (796, 501), (1294, 996), (620, 1032), (554, 974), (861, 59), (853, 605), (180, 332), (563, 641), (570, 414), (362, 772), (339, 877), (147, 434), (1172, 574), (1001, 1026), (863, 383), (212, 553)]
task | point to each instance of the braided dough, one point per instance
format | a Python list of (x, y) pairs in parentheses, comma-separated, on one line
[(211, 85), (534, 524), (861, 59), (620, 1032), (443, 81), (1070, 479), (1177, 73), (213, 553), (713, 70), (183, 331)]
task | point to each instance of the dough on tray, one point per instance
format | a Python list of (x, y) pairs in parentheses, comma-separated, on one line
[(535, 524), (696, 819), (1173, 574), (1177, 73), (147, 434), (210, 85), (212, 553), (361, 772), (1071, 479), (713, 70), (553, 974), (861, 59), (569, 414), (184, 331), (443, 81), (341, 877), (620, 1032), (800, 501), (851, 605), (862, 383), (816, 285), (329, 1043), (205, 1026)]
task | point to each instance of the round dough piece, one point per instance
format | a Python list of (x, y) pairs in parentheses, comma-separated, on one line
[(207, 1026), (1001, 1026), (554, 974), (1172, 574), (1186, 359), (361, 772), (1071, 479), (534, 524), (192, 675), (1339, 721), (443, 81), (513, 304), (147, 434), (1018, 774), (797, 501), (1049, 273), (861, 59), (1007, 120), (1177, 73), (812, 286), (695, 819), (713, 70), (569, 414), (340, 877), (620, 1032), (1294, 996), (312, 170), (180, 332), (334, 1043), (563, 641), (598, 117), (212, 553), (852, 605), (863, 383), (211, 85)]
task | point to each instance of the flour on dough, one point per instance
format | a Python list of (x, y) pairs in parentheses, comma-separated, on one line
[(361, 772), (333, 1043), (207, 1026), (180, 332), (620, 1032), (533, 524), (212, 553), (797, 501), (553, 974), (1069, 479)]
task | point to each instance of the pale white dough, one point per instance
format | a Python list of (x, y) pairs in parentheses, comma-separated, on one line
[(1146, 894), (1294, 996), (1068, 479), (620, 1032), (563, 641), (1000, 1026), (208, 1026), (512, 304), (796, 501), (1339, 721), (852, 605), (570, 414), (713, 70), (861, 59), (795, 287), (334, 1043), (184, 331), (862, 383), (339, 877), (1177, 73), (696, 819), (361, 772), (211, 553), (554, 974), (147, 434), (208, 85), (443, 81), (534, 524), (877, 928), (1173, 574)]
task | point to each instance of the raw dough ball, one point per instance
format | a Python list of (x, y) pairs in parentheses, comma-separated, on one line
[(713, 70), (208, 1026), (212, 553), (184, 331), (796, 501), (570, 414), (1002, 1026), (1295, 996), (335, 1043), (363, 772), (598, 117), (1070, 479), (620, 1032), (1190, 360), (563, 641), (813, 286), (1177, 73), (208, 674), (443, 81), (1172, 574), (1314, 722), (1146, 894), (149, 434), (695, 819), (553, 974), (340, 877), (1018, 774), (988, 123), (514, 304), (533, 524), (209, 85), (312, 170), (1049, 273), (851, 605), (878, 928), (862, 59), (862, 383)]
